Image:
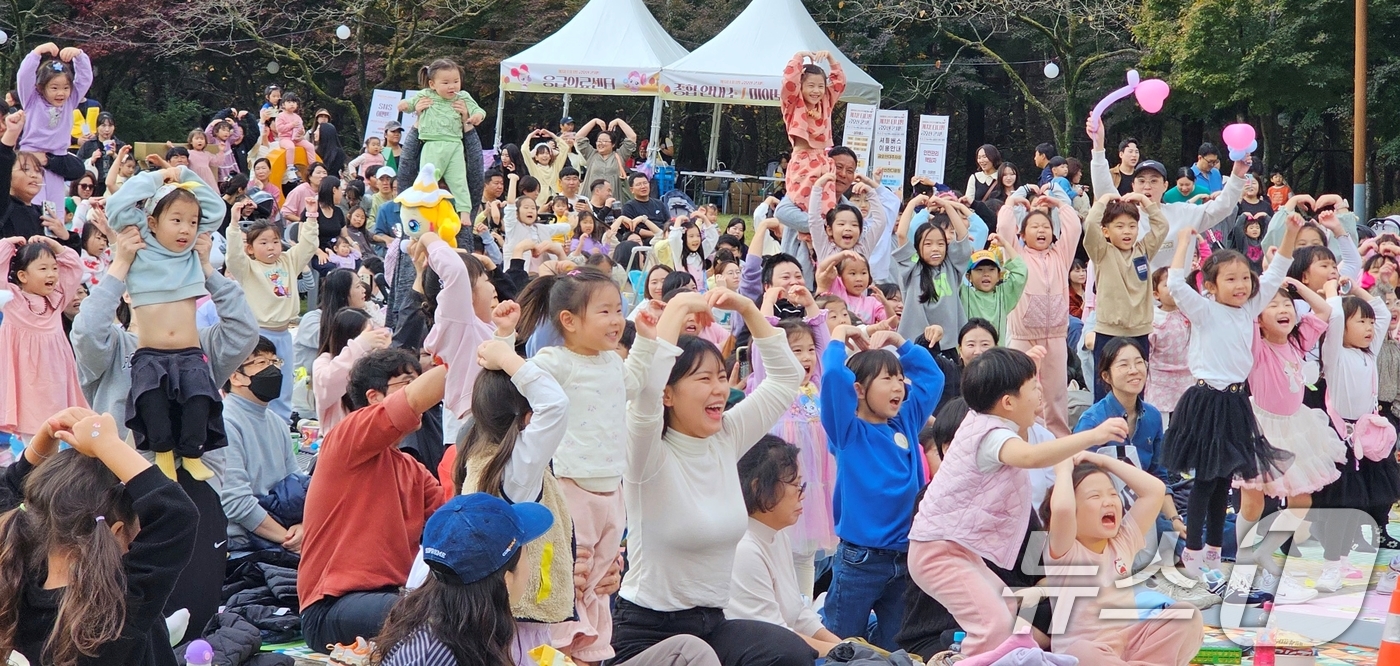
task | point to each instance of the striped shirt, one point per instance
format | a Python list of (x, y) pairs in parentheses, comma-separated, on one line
[(420, 649)]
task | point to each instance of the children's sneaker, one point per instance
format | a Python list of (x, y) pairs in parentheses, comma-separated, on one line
[(1331, 578), (1390, 577), (1286, 589), (1237, 590), (1197, 595), (351, 655)]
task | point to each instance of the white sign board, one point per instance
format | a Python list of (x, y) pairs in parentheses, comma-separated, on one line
[(382, 109), (891, 132), (860, 131), (933, 147), (408, 118)]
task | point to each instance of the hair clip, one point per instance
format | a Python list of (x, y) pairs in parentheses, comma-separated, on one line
[(574, 273), (56, 65)]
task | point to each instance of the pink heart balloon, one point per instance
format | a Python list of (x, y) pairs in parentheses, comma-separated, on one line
[(1238, 136), (1151, 94)]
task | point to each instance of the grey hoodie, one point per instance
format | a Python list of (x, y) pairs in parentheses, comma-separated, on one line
[(103, 348)]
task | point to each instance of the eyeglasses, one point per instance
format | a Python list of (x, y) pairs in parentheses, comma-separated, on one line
[(399, 383), (801, 488), (261, 364)]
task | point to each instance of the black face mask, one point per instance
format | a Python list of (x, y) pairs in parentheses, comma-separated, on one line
[(266, 386)]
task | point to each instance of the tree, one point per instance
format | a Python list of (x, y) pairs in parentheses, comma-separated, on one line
[(1079, 35)]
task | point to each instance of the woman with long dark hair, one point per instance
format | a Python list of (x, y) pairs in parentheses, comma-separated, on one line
[(685, 507), (328, 149), (984, 178), (351, 335)]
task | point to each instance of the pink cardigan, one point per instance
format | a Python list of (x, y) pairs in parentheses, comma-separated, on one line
[(330, 379), (457, 331), (1043, 311)]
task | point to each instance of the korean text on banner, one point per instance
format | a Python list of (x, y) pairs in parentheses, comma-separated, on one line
[(933, 147), (382, 109), (860, 131), (891, 138)]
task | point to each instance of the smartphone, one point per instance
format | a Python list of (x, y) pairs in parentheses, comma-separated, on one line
[(51, 210), (617, 210), (741, 356)]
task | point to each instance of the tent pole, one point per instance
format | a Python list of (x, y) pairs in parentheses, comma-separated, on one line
[(713, 162), (653, 147), (567, 99), (500, 111)]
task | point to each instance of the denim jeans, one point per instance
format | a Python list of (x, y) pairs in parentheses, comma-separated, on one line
[(864, 580)]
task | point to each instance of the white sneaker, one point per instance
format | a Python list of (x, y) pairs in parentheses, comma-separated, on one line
[(1286, 589), (1331, 578), (1197, 595), (1390, 577)]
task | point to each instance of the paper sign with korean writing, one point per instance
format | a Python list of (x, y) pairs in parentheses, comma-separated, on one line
[(383, 109), (933, 147), (541, 78), (859, 132), (891, 131)]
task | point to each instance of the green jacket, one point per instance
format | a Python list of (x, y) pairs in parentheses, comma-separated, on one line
[(440, 122), (995, 304)]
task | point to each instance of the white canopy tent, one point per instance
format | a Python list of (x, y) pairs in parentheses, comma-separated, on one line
[(744, 63), (611, 47)]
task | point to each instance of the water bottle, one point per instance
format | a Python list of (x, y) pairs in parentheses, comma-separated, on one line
[(958, 637), (199, 653)]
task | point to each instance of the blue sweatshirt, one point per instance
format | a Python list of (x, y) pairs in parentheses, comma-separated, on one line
[(159, 274), (879, 466)]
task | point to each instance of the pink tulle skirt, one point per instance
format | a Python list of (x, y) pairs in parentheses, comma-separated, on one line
[(1315, 447), (801, 426)]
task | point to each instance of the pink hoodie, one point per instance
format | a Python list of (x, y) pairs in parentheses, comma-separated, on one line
[(457, 331), (1043, 311)]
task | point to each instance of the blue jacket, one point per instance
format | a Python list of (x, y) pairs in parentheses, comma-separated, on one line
[(879, 466), (1147, 433)]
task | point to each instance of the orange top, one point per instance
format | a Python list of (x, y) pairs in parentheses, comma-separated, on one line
[(812, 127)]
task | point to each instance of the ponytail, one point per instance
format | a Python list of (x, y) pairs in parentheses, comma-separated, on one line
[(18, 545), (547, 296), (70, 503), (423, 76), (498, 409)]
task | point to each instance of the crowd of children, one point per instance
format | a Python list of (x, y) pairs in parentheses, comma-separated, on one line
[(542, 420)]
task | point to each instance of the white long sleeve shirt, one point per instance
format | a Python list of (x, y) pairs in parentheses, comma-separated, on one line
[(1179, 215), (1222, 336), (764, 584), (1352, 379), (594, 448), (685, 509)]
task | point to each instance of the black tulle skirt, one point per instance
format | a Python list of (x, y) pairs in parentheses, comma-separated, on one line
[(1214, 434), (1364, 483)]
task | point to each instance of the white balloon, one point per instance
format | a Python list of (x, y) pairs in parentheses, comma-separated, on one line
[(4, 37), (343, 32), (1051, 70), (273, 67)]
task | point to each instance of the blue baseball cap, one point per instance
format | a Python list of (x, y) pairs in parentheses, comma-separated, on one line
[(475, 535)]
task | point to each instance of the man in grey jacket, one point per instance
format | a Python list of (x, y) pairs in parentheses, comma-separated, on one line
[(103, 347), (259, 450)]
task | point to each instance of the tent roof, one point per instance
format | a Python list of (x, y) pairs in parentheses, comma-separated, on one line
[(751, 53), (607, 39)]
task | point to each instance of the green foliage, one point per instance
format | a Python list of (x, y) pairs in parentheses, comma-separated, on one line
[(166, 119)]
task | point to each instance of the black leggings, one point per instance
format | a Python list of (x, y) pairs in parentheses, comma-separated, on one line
[(171, 426), (1205, 506), (1340, 529)]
